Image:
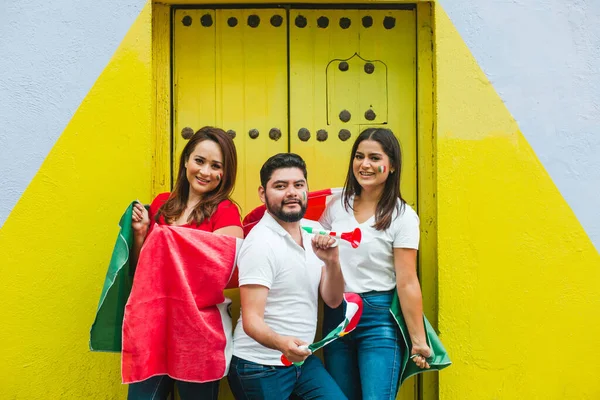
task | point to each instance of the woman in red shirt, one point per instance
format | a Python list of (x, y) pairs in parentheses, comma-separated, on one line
[(200, 200)]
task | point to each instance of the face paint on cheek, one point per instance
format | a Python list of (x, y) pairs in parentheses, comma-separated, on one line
[(381, 169), (218, 177), (303, 196)]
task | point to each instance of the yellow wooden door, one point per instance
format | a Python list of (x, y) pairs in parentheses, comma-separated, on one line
[(230, 71), (348, 70)]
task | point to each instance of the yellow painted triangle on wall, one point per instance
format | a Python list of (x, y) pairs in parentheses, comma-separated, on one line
[(519, 293), (56, 242)]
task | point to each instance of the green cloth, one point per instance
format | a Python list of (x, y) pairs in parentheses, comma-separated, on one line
[(106, 331), (439, 357)]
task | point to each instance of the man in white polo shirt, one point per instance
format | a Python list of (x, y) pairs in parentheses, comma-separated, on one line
[(281, 273)]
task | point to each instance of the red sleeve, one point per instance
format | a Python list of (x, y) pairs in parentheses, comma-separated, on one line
[(227, 214), (155, 205)]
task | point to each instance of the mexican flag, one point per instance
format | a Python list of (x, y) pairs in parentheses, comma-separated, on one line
[(354, 307), (439, 356), (105, 334), (176, 320)]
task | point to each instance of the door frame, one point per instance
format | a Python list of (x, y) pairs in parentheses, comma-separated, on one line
[(427, 387)]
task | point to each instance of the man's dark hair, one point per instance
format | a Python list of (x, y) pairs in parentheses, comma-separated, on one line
[(279, 161)]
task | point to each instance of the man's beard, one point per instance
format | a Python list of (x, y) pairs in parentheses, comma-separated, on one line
[(277, 211)]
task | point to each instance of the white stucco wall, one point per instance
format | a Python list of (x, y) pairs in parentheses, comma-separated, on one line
[(543, 58), (51, 54)]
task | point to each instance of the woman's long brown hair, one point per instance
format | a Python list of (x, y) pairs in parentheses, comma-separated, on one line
[(177, 202), (388, 202)]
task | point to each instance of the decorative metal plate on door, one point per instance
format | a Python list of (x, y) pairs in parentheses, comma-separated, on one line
[(357, 91)]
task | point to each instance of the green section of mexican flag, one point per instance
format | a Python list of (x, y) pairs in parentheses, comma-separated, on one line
[(439, 356), (106, 331)]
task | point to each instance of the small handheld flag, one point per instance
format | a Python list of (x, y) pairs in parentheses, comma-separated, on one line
[(354, 308)]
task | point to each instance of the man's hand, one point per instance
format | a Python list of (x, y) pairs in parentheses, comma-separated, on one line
[(290, 347), (323, 248)]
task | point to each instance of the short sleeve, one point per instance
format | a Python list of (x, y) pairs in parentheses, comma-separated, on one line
[(155, 205), (227, 214), (255, 265), (407, 231), (326, 219)]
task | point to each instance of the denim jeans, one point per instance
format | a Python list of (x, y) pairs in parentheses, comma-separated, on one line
[(252, 381), (366, 362), (159, 387)]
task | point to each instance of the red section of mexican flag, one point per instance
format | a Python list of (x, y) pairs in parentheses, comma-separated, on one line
[(354, 309), (176, 321), (317, 201)]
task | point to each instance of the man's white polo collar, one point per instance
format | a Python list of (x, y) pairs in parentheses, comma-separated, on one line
[(273, 224)]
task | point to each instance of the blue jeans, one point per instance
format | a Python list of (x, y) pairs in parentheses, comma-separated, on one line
[(159, 387), (366, 362), (252, 381)]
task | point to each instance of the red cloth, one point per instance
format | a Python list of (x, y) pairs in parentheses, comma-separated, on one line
[(226, 214), (176, 319)]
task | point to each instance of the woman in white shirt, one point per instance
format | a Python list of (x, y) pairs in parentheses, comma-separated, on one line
[(366, 363)]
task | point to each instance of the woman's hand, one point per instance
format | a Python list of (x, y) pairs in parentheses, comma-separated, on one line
[(419, 354), (140, 220), (411, 302)]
